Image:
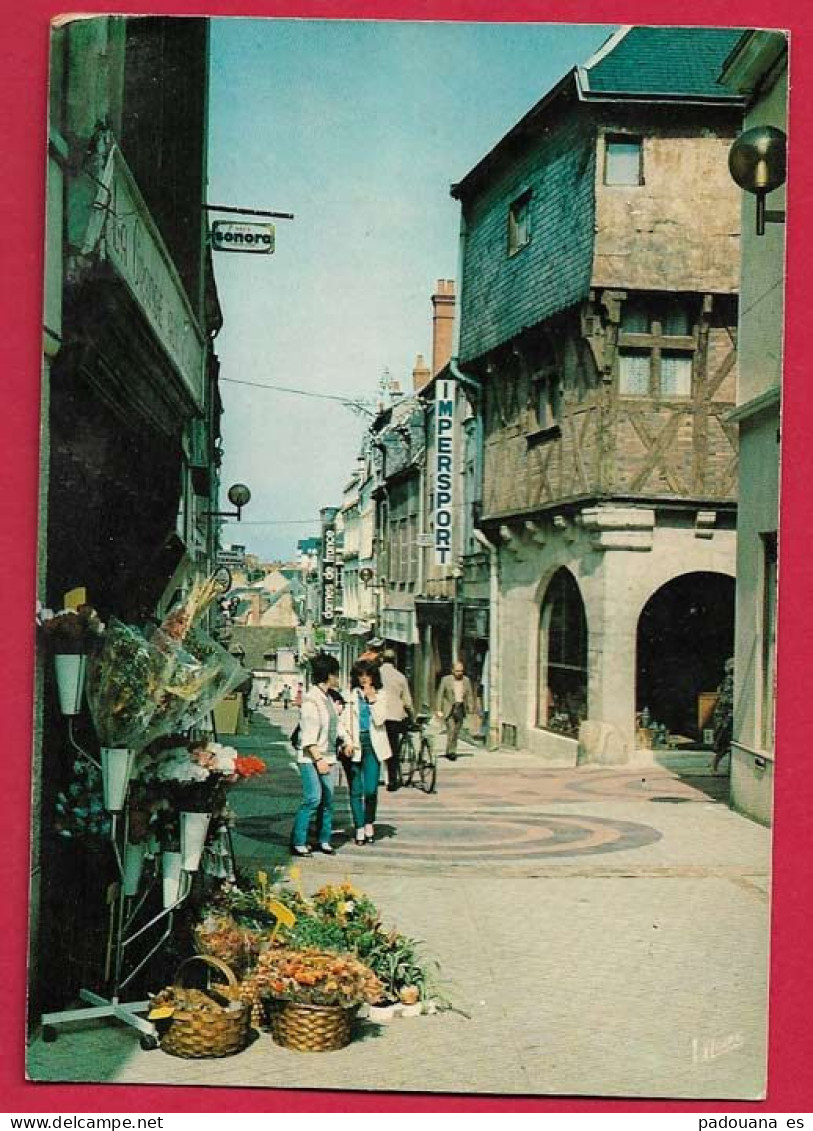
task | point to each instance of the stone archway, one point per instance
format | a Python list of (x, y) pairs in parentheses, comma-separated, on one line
[(562, 663), (685, 634)]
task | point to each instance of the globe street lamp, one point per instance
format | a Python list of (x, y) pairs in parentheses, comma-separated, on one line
[(239, 495), (757, 161)]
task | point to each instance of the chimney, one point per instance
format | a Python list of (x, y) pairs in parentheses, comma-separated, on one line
[(420, 373), (443, 304)]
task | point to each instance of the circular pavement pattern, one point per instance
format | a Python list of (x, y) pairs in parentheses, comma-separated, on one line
[(455, 837)]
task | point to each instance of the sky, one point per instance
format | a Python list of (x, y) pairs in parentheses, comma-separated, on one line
[(359, 129)]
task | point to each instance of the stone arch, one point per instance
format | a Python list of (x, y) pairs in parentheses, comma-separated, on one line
[(684, 635), (562, 675)]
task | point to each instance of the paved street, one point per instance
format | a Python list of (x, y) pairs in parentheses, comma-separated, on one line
[(586, 921)]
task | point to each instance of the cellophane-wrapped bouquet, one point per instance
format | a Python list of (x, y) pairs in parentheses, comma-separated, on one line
[(140, 687)]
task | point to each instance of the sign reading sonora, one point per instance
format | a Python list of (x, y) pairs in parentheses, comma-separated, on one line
[(444, 469), (228, 235)]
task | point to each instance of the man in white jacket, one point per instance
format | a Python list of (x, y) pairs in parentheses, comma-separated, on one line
[(398, 701)]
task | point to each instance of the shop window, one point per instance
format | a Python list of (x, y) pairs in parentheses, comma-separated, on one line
[(562, 684), (519, 223), (623, 161)]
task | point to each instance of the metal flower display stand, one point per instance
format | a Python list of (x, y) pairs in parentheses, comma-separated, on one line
[(139, 687), (116, 765)]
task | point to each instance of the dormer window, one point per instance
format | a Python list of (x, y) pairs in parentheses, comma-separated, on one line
[(519, 223)]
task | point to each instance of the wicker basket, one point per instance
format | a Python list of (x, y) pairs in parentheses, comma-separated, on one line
[(311, 1028), (193, 1033)]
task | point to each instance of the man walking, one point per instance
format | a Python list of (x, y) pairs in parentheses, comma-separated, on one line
[(455, 701), (398, 701)]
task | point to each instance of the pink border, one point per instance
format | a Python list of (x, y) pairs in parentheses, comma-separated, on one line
[(23, 81)]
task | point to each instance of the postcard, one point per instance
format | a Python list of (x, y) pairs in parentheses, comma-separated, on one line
[(407, 589)]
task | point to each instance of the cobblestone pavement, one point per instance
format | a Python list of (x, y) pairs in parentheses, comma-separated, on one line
[(604, 931)]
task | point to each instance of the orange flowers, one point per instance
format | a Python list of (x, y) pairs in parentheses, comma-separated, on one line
[(316, 977)]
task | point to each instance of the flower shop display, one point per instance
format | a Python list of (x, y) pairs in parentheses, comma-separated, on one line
[(195, 1023), (70, 634), (142, 686), (312, 996), (338, 920), (79, 810)]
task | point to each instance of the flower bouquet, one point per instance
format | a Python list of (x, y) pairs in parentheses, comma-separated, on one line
[(80, 812), (71, 635)]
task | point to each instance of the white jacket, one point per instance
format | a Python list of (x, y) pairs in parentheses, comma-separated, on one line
[(314, 723), (396, 693), (378, 730)]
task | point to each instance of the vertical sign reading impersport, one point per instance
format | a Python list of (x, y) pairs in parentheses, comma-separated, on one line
[(444, 469)]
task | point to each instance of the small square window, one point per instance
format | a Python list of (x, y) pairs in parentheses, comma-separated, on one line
[(623, 161), (676, 374), (634, 367), (519, 223)]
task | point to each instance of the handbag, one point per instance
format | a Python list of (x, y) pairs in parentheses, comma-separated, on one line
[(296, 737)]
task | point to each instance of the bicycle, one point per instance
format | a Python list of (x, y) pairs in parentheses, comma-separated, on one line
[(417, 756)]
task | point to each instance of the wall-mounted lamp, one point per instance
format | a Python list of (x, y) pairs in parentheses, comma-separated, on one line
[(239, 496), (758, 163)]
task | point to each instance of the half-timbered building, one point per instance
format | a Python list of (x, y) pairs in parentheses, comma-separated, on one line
[(600, 271)]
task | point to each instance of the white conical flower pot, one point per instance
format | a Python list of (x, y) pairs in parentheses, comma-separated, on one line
[(173, 877), (117, 765), (133, 867), (194, 827), (70, 682)]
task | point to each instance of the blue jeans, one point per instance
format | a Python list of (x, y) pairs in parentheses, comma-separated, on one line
[(364, 785), (317, 797)]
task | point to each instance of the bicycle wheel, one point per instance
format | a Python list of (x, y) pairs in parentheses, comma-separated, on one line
[(427, 766), (407, 759)]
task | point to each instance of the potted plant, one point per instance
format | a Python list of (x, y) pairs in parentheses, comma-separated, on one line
[(313, 996)]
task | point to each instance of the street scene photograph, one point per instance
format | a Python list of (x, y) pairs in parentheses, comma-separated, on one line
[(408, 555)]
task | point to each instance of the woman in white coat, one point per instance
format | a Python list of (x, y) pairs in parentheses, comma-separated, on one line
[(366, 746)]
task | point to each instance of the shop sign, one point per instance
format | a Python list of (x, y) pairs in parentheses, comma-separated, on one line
[(134, 247), (256, 239), (329, 575), (445, 401)]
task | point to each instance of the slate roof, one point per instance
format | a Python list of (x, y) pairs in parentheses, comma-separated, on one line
[(650, 64), (673, 62)]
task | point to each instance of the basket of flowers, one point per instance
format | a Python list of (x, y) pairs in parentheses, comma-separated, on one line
[(197, 1023), (312, 996)]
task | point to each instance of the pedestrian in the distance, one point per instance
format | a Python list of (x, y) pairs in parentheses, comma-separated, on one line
[(455, 702), (366, 746), (398, 700), (320, 731), (286, 697)]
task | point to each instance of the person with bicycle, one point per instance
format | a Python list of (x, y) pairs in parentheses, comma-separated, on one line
[(398, 700), (366, 746), (455, 702)]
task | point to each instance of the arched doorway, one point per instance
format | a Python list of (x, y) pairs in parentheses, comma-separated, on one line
[(562, 680), (685, 635)]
